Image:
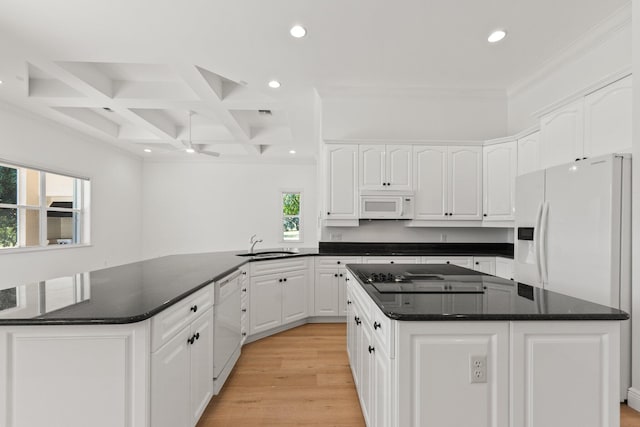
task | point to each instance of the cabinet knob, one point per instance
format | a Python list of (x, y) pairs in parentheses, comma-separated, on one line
[(244, 273), (340, 274), (191, 340), (197, 335), (335, 275), (244, 310), (477, 263), (357, 319), (348, 302), (578, 159), (392, 262), (328, 213), (244, 334), (448, 262), (194, 308), (346, 279), (337, 262), (384, 183), (484, 214), (376, 325), (244, 289), (388, 183), (284, 280), (280, 280), (584, 158), (446, 214), (371, 349)]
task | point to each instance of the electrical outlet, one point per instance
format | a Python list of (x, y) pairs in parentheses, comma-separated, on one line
[(477, 369)]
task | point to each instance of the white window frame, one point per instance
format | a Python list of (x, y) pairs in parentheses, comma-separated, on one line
[(81, 194), (282, 215)]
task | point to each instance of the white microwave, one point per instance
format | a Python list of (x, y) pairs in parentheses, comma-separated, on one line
[(386, 206)]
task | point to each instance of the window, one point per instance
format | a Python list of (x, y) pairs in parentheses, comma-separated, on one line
[(39, 208), (291, 216)]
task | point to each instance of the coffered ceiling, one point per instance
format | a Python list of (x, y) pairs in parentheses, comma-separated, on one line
[(168, 75)]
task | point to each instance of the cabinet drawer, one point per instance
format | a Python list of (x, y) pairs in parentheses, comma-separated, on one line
[(393, 260), (262, 268), (381, 326), (167, 323), (339, 261), (462, 261)]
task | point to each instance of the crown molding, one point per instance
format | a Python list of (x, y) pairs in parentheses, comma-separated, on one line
[(408, 92), (597, 35)]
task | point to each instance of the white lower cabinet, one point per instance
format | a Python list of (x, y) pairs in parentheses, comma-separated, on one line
[(330, 285), (461, 261), (278, 298), (182, 375), (535, 372), (485, 264)]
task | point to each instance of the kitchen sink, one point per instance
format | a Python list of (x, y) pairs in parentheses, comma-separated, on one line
[(268, 254)]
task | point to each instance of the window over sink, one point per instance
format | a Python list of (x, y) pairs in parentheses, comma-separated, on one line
[(291, 208), (40, 209)]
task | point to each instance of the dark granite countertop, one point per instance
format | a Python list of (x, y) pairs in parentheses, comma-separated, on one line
[(134, 292), (500, 299)]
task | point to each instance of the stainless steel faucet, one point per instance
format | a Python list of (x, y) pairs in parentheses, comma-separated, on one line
[(254, 242)]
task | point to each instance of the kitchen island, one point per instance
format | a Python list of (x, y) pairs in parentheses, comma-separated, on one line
[(446, 346)]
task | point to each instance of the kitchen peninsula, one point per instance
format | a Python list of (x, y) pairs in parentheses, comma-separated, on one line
[(96, 339)]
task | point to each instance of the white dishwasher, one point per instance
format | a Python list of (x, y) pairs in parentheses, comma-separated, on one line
[(227, 324)]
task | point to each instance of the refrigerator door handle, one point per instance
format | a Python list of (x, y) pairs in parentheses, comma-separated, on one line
[(536, 242), (543, 243)]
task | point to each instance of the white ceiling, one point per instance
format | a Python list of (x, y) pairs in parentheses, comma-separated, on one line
[(154, 61)]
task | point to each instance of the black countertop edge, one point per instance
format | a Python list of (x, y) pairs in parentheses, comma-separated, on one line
[(500, 317), (424, 249)]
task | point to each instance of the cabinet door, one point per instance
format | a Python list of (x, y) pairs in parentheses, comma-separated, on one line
[(353, 338), (372, 167), (326, 291), (342, 182), (465, 183), (399, 167), (607, 119), (528, 153), (366, 363), (380, 398), (342, 292), (461, 261), (486, 265), (499, 178), (170, 383), (430, 182), (294, 296), (561, 135), (504, 268), (265, 302), (201, 365)]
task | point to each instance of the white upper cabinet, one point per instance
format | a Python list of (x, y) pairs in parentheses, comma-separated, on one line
[(385, 167), (499, 177), (430, 184), (448, 183), (342, 182), (528, 153), (561, 135), (465, 183), (607, 114)]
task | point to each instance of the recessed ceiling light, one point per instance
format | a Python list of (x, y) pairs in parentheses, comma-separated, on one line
[(147, 150), (292, 151), (496, 36), (190, 150), (0, 82), (274, 84), (298, 31)]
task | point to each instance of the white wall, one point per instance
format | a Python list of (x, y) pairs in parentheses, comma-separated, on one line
[(202, 206), (395, 231), (116, 189), (606, 54), (413, 114), (634, 392)]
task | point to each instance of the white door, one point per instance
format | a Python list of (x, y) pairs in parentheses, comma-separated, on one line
[(561, 135), (607, 119), (342, 292), (465, 183), (326, 293), (342, 182), (372, 167), (529, 201), (201, 364), (528, 153), (499, 177), (170, 383), (266, 302), (577, 231), (430, 182), (399, 167), (294, 296)]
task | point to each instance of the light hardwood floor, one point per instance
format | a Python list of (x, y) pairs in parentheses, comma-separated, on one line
[(300, 377)]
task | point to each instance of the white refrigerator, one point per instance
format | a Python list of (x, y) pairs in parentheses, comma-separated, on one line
[(573, 235)]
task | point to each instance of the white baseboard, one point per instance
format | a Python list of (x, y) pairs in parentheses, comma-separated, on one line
[(282, 328), (633, 398)]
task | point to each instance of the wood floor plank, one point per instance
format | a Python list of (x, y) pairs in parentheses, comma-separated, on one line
[(300, 377)]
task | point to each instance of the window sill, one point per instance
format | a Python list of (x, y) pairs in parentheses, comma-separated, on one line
[(42, 248)]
